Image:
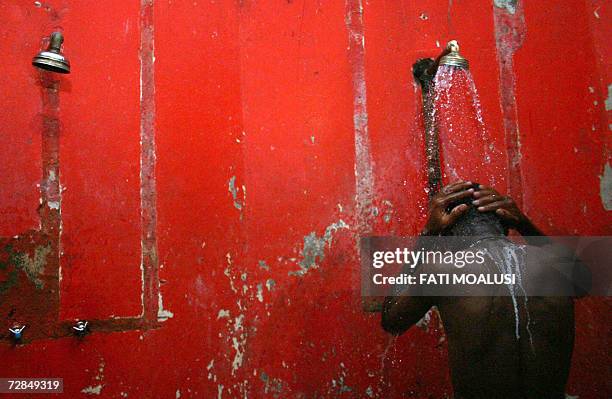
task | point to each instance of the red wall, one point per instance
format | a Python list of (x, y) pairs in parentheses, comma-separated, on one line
[(197, 185)]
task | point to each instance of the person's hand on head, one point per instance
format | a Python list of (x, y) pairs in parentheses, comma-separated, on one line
[(487, 199), (440, 217)]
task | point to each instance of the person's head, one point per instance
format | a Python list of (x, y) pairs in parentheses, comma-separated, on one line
[(475, 223)]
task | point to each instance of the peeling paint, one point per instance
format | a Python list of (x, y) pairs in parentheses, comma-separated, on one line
[(228, 274), (314, 248), (234, 191), (163, 314), (95, 390), (388, 212), (338, 384), (270, 284), (609, 98), (263, 265), (35, 267), (605, 187), (509, 5), (238, 343), (238, 202), (223, 314), (211, 374), (274, 386), (238, 358)]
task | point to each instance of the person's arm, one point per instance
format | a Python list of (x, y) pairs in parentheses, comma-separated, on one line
[(399, 313)]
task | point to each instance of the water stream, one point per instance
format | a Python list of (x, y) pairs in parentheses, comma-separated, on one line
[(467, 149)]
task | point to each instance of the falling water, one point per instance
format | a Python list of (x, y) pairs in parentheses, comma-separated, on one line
[(390, 344), (467, 149), (509, 258)]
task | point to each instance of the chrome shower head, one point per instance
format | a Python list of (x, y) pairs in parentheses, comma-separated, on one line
[(52, 59), (453, 58)]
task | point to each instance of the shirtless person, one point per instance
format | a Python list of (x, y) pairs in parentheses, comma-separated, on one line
[(493, 351)]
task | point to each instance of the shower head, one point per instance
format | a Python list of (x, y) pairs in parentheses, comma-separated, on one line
[(52, 59), (452, 56)]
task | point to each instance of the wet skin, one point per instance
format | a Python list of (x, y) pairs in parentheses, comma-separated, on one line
[(486, 358)]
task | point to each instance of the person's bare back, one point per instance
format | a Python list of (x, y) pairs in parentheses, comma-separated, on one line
[(509, 347)]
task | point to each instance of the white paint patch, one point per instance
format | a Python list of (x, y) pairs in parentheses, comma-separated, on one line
[(211, 374), (509, 5), (228, 273), (53, 204), (238, 323), (338, 384), (223, 314), (239, 357), (314, 248), (239, 203), (238, 343), (163, 314), (95, 390), (388, 211), (178, 394)]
